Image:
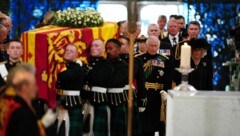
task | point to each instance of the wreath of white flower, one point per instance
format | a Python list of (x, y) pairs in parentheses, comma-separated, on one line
[(78, 18)]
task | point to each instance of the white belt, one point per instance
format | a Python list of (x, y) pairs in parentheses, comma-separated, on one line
[(126, 87), (99, 89), (71, 92), (115, 90)]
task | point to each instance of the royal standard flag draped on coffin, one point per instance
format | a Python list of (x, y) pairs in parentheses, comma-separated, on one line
[(44, 48)]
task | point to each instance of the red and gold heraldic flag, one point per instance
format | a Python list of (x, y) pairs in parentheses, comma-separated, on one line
[(44, 48)]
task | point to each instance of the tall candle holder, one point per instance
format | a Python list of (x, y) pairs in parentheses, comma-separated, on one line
[(184, 86)]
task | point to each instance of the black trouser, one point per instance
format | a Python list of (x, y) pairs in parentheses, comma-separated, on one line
[(148, 134)]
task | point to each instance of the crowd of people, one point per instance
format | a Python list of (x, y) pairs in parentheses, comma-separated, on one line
[(92, 98)]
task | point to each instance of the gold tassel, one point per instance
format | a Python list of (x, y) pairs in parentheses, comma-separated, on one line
[(177, 52), (41, 128), (163, 112)]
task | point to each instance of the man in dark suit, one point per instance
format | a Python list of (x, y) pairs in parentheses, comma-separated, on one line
[(173, 33), (174, 39), (193, 30)]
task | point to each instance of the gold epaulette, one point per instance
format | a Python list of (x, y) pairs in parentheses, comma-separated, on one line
[(163, 56), (136, 55)]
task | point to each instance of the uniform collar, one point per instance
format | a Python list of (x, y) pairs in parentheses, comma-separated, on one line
[(116, 59), (151, 56), (14, 63), (124, 55), (95, 59)]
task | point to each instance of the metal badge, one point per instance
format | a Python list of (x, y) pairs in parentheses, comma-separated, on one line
[(161, 73)]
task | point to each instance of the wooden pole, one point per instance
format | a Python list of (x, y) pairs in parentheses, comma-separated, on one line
[(132, 29), (130, 93)]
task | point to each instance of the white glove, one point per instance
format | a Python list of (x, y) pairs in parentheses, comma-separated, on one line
[(163, 95), (141, 109), (79, 62), (48, 118)]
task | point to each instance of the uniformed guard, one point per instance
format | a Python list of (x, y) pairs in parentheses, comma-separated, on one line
[(99, 72), (138, 88), (117, 98), (14, 50), (68, 89), (141, 45), (201, 77), (157, 70)]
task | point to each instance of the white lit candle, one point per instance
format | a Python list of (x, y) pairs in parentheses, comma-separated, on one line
[(185, 56)]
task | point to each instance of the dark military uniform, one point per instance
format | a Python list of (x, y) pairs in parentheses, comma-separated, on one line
[(117, 98), (68, 88), (163, 34), (2, 57), (175, 58), (139, 93), (8, 65), (201, 77), (99, 73), (157, 69)]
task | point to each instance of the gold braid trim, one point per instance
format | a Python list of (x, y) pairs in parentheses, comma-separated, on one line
[(177, 52), (163, 111), (41, 128), (147, 64)]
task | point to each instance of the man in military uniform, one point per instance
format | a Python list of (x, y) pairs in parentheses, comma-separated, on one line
[(165, 48), (157, 69), (117, 98), (141, 45), (139, 79), (14, 50), (68, 87), (162, 21), (99, 72)]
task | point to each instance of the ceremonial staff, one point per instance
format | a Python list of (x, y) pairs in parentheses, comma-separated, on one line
[(132, 17)]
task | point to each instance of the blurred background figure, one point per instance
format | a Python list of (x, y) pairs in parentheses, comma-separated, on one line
[(7, 22), (19, 110), (3, 36), (141, 44), (162, 21), (172, 17), (121, 26), (47, 19)]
